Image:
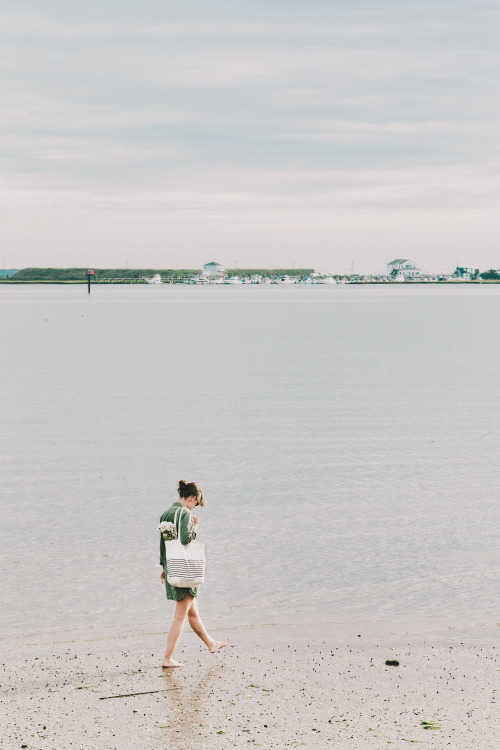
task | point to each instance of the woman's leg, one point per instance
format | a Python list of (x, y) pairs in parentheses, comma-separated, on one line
[(181, 610), (198, 627)]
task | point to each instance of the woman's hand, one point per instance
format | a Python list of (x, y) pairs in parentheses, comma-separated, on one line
[(195, 521), (162, 576)]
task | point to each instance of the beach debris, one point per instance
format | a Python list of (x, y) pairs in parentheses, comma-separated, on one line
[(392, 663), (430, 725), (130, 695)]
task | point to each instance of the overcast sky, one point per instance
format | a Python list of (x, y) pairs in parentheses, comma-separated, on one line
[(316, 133)]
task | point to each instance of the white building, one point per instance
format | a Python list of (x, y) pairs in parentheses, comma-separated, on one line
[(212, 270), (402, 269)]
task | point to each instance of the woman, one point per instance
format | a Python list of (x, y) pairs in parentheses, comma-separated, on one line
[(190, 496)]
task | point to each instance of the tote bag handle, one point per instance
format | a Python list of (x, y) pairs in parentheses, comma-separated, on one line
[(178, 527)]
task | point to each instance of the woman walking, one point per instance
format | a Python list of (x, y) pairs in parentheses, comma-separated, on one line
[(190, 496)]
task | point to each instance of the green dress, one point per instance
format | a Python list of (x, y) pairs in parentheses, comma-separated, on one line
[(188, 533)]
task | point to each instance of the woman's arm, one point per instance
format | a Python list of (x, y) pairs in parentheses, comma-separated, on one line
[(188, 531), (163, 557)]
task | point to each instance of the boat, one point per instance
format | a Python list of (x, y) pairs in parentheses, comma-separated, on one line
[(156, 279), (232, 280)]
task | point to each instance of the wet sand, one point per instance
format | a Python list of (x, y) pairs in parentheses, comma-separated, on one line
[(274, 687)]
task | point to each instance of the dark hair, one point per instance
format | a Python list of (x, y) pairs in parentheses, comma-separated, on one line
[(190, 489)]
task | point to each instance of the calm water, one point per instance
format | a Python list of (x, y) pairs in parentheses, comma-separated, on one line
[(346, 438)]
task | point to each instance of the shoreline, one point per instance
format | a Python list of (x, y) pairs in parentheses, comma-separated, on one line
[(419, 627), (140, 282), (274, 687)]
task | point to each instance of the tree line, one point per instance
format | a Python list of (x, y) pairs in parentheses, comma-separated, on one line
[(103, 275), (100, 274)]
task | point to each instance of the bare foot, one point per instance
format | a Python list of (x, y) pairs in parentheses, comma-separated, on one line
[(170, 663), (217, 645)]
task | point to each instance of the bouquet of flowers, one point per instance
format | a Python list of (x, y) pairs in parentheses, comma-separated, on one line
[(167, 530)]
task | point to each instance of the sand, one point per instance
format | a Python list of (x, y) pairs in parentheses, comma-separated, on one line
[(274, 687)]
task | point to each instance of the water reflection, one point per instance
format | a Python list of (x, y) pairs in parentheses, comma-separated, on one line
[(187, 705)]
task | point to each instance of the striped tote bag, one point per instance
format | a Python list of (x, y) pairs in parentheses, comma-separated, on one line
[(185, 562)]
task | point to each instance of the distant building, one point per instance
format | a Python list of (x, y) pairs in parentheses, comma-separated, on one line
[(402, 269), (466, 273), (213, 269)]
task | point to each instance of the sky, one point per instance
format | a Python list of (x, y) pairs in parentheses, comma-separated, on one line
[(334, 135)]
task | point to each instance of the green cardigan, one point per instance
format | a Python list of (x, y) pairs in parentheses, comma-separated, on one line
[(188, 533)]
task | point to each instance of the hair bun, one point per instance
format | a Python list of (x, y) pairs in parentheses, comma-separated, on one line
[(190, 489)]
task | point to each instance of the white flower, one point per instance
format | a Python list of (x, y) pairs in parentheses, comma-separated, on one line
[(167, 529), (166, 526)]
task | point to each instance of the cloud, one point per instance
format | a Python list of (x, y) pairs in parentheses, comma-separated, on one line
[(285, 192), (255, 111)]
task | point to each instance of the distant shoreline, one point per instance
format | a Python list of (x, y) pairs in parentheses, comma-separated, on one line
[(236, 276), (128, 282)]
